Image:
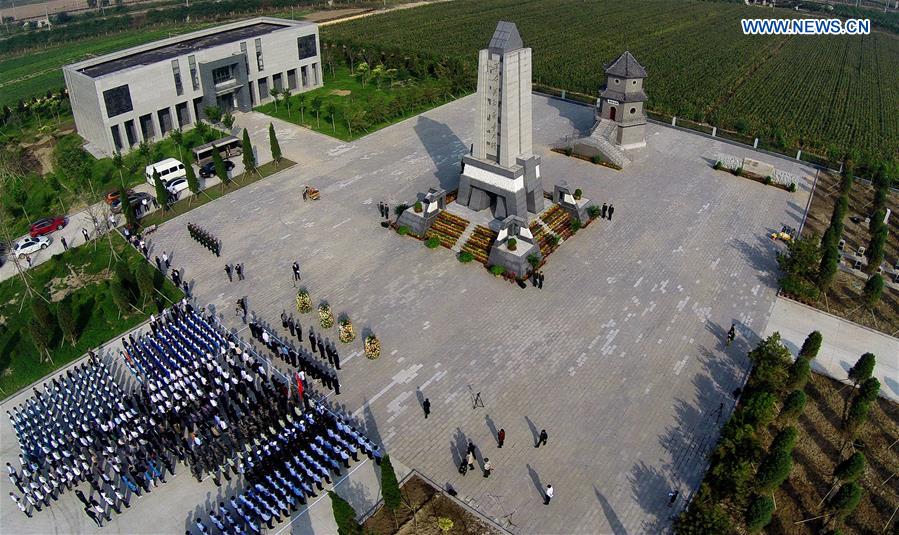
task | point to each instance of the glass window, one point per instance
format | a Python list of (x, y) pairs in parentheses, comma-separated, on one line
[(263, 88), (246, 62), (194, 75), (259, 64), (176, 71), (222, 75), (306, 46), (118, 100)]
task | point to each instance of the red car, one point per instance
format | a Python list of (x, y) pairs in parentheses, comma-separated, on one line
[(47, 225)]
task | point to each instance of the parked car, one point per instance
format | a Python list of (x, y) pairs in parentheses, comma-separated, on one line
[(135, 198), (29, 245), (208, 169), (113, 195), (47, 225), (176, 186)]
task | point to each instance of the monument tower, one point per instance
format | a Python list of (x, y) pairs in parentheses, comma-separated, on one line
[(621, 102), (502, 173)]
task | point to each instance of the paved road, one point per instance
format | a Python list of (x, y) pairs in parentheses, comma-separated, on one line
[(844, 342), (619, 357)]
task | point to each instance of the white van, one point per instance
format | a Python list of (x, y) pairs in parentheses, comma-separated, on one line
[(168, 169)]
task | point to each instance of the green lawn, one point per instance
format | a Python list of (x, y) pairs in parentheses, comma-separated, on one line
[(68, 189), (358, 109), (85, 271), (208, 195)]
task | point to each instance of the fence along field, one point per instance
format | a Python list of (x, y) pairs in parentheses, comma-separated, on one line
[(818, 92)]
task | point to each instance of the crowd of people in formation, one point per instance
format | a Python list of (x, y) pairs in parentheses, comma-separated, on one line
[(204, 238), (289, 463), (320, 364), (198, 398)]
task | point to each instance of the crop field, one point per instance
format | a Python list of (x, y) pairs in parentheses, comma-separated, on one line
[(829, 92)]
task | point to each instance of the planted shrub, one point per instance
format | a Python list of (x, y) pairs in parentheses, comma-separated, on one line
[(568, 151), (846, 500), (433, 242), (768, 180), (811, 345), (400, 208), (758, 514), (555, 240), (512, 244), (304, 302), (325, 316), (738, 171), (800, 371), (533, 260), (850, 469), (596, 159), (465, 257), (773, 471), (418, 207), (594, 212), (402, 230), (497, 270), (346, 334), (794, 404), (792, 187), (575, 225), (372, 347), (717, 166), (578, 194)]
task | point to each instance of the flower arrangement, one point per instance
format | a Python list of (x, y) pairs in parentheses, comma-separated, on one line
[(304, 302), (372, 347), (325, 316), (346, 333)]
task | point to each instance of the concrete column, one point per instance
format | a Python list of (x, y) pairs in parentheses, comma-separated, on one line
[(755, 143), (799, 155), (714, 130), (674, 121), (563, 94)]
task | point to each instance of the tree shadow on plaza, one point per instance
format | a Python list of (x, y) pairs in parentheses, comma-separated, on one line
[(761, 256), (692, 437), (612, 517), (445, 149)]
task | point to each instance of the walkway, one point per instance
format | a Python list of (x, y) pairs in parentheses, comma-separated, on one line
[(844, 343)]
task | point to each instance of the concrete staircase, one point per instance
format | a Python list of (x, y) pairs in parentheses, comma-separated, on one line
[(602, 138)]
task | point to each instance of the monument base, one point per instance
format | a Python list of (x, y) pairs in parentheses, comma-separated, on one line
[(505, 191)]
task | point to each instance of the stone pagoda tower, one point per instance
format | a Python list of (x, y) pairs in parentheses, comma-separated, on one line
[(502, 173), (621, 102)]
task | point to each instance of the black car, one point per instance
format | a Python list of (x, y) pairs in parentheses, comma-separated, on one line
[(135, 198), (208, 169)]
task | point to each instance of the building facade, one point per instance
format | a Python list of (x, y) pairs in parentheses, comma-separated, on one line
[(145, 92), (502, 173)]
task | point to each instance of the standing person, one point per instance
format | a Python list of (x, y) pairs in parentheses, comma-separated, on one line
[(611, 209), (500, 438), (426, 405), (239, 269), (471, 460), (463, 467), (542, 438), (28, 259), (548, 495), (165, 260), (605, 210), (296, 273), (540, 280), (488, 467), (158, 263), (65, 245), (87, 237), (19, 504), (186, 288), (228, 271)]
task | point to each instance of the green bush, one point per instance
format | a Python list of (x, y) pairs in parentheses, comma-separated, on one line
[(594, 212), (760, 409), (597, 159), (771, 362), (768, 180), (758, 514), (738, 171), (785, 441), (703, 516), (800, 371), (858, 413), (402, 230), (578, 194), (850, 469), (717, 166), (555, 239), (465, 257), (811, 345), (568, 151), (512, 244), (869, 390), (792, 187), (773, 471), (418, 207), (497, 270), (863, 368), (846, 499), (873, 290), (575, 226), (400, 208), (793, 405), (433, 242), (534, 260)]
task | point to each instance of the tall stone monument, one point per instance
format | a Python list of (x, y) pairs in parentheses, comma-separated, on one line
[(502, 173)]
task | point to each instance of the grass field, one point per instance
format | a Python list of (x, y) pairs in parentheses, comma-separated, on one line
[(80, 275), (346, 93), (816, 92)]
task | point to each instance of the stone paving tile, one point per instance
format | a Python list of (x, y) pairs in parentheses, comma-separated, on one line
[(619, 357)]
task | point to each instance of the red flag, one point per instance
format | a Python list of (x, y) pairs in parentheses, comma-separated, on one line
[(299, 386)]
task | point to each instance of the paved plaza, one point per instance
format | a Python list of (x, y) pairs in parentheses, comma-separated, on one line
[(620, 357)]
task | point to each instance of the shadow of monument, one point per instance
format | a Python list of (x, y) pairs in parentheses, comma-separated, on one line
[(614, 522), (580, 120), (445, 149)]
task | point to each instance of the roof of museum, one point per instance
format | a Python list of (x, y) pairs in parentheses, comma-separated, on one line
[(626, 66), (505, 37), (185, 44)]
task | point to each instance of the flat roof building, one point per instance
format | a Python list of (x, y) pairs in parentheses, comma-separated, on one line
[(145, 92)]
